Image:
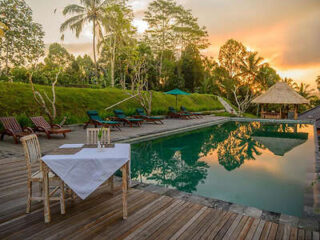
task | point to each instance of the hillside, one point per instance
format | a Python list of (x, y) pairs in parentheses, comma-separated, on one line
[(16, 99)]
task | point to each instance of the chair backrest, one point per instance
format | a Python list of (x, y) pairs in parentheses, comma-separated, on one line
[(119, 113), (94, 115), (92, 135), (31, 148), (183, 109), (40, 122), (140, 112), (11, 123), (171, 109)]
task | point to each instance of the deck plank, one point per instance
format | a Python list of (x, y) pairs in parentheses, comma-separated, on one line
[(151, 216), (252, 229), (246, 228)]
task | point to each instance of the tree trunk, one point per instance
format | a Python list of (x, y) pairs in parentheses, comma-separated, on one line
[(7, 58), (94, 48), (113, 58)]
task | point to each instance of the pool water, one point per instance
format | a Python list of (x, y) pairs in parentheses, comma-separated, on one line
[(254, 164)]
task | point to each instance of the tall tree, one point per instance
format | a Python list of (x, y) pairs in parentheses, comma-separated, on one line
[(231, 55), (22, 42), (171, 28), (192, 69), (58, 57), (119, 34), (267, 77), (91, 11)]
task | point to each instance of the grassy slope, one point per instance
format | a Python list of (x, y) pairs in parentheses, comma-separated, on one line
[(16, 100)]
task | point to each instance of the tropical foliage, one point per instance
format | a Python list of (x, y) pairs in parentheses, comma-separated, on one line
[(168, 54), (22, 40)]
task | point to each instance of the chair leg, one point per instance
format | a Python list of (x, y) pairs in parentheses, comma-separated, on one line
[(62, 198), (111, 184), (48, 135), (40, 189), (2, 136), (29, 197), (64, 135)]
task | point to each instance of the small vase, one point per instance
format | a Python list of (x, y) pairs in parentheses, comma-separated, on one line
[(99, 146)]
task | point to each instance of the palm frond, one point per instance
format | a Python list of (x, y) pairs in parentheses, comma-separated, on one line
[(71, 21), (73, 8), (77, 27)]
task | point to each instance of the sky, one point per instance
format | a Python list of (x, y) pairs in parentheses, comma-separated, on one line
[(285, 33)]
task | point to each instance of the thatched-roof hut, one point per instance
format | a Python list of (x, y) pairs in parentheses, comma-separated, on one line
[(280, 93), (279, 143)]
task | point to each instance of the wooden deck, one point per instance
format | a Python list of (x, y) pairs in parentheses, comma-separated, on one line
[(151, 216)]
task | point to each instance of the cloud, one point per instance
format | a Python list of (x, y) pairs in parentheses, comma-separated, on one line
[(303, 41)]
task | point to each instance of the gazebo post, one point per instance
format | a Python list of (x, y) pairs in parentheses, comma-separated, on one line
[(280, 111), (296, 111), (261, 112)]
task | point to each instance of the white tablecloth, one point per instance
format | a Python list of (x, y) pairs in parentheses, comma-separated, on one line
[(86, 170)]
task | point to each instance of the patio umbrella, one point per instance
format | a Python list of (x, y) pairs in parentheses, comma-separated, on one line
[(177, 92)]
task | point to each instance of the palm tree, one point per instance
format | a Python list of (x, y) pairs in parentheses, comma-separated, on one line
[(304, 90), (318, 82), (290, 82), (89, 11), (250, 66)]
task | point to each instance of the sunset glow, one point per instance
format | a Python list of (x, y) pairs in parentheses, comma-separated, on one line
[(286, 35)]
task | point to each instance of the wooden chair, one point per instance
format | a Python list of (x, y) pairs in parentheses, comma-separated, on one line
[(32, 154), (92, 138), (92, 135), (13, 128), (41, 125)]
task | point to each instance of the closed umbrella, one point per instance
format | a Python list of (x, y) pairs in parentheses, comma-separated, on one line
[(177, 92)]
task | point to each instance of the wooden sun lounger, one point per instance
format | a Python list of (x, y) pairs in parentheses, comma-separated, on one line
[(195, 114), (13, 128), (141, 114), (41, 125), (174, 114), (121, 117), (96, 120)]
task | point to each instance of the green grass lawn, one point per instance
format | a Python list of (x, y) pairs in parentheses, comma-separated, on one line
[(16, 99)]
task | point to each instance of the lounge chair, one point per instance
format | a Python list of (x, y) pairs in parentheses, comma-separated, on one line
[(13, 128), (96, 120), (195, 114), (174, 114), (141, 114), (121, 117), (41, 125)]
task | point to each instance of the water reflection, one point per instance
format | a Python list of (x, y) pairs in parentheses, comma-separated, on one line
[(174, 161)]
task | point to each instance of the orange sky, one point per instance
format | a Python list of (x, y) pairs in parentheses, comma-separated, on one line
[(286, 33)]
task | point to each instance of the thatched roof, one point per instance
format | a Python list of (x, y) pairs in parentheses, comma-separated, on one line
[(279, 146), (279, 143), (280, 93)]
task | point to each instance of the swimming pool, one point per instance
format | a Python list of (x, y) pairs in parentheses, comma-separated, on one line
[(255, 164)]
